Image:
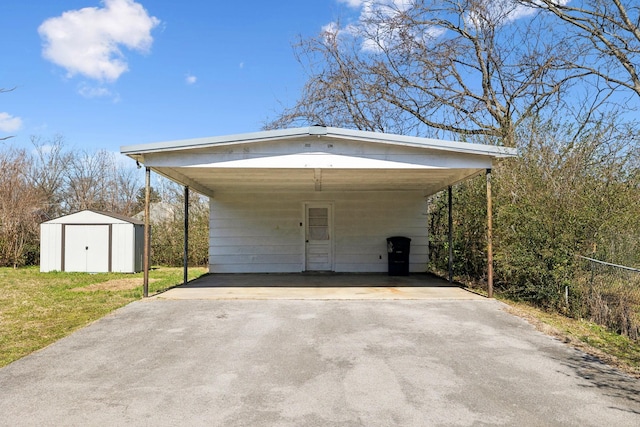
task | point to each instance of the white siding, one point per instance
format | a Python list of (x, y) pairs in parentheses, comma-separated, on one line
[(122, 245), (265, 233), (50, 247), (86, 248)]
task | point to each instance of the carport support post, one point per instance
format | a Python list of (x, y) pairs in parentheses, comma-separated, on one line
[(186, 235), (450, 236), (489, 237), (147, 234)]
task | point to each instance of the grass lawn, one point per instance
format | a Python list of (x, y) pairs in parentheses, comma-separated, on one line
[(37, 309)]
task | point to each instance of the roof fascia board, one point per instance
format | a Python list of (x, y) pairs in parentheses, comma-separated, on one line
[(419, 142), (244, 138)]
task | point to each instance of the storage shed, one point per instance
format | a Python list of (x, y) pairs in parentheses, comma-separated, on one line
[(92, 242)]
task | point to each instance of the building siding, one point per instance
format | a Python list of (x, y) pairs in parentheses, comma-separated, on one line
[(50, 247), (122, 247), (264, 233)]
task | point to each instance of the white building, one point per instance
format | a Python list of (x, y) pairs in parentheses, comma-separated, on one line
[(92, 242), (316, 198)]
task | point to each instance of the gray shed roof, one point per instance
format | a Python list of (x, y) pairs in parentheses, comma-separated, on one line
[(113, 215)]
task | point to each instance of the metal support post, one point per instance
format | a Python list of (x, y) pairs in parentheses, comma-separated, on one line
[(147, 233), (186, 235), (450, 235), (489, 237)]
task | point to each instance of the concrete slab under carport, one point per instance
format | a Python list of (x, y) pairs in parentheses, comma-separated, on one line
[(318, 286)]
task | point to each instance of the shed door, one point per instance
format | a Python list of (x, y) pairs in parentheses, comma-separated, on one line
[(318, 234), (86, 248)]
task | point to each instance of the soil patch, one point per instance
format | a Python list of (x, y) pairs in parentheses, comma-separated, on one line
[(114, 285)]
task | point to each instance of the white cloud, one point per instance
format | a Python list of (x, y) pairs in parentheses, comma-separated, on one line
[(190, 79), (377, 33), (241, 65), (374, 34), (88, 41), (502, 12), (89, 91), (8, 123), (352, 3)]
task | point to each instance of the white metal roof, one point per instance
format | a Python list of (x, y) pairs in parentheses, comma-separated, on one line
[(319, 131), (316, 158), (90, 216)]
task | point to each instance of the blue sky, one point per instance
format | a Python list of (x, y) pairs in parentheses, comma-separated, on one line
[(116, 72)]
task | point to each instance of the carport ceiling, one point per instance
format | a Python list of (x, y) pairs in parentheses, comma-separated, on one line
[(249, 180), (316, 159)]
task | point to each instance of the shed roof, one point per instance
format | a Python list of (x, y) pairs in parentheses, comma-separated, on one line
[(88, 215), (316, 158)]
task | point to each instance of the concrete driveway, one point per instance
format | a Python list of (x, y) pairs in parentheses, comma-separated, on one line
[(314, 363)]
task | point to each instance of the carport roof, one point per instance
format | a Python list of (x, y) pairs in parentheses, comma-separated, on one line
[(135, 151), (316, 158)]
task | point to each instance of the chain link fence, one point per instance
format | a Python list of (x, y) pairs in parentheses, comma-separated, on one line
[(608, 294)]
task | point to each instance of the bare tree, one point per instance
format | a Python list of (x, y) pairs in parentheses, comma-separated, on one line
[(19, 206), (47, 170), (127, 190), (87, 182), (99, 181), (607, 31), (433, 67)]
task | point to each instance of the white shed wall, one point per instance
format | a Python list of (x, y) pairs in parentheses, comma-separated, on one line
[(262, 233), (50, 244), (122, 246)]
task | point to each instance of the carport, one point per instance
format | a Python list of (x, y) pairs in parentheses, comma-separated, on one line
[(317, 198)]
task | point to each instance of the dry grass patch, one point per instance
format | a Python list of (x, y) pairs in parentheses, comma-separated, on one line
[(114, 285), (611, 348)]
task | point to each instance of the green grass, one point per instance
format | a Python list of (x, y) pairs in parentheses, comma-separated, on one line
[(37, 309)]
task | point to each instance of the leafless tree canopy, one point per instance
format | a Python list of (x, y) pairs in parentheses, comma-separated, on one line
[(434, 67), (608, 34), (18, 207)]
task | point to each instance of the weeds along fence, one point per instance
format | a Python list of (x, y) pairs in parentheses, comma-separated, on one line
[(608, 294)]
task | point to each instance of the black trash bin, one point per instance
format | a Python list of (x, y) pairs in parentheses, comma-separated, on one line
[(398, 248)]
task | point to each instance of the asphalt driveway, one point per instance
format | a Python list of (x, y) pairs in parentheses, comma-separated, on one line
[(314, 363)]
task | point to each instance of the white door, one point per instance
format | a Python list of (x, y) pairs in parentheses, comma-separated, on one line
[(318, 234), (86, 248)]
